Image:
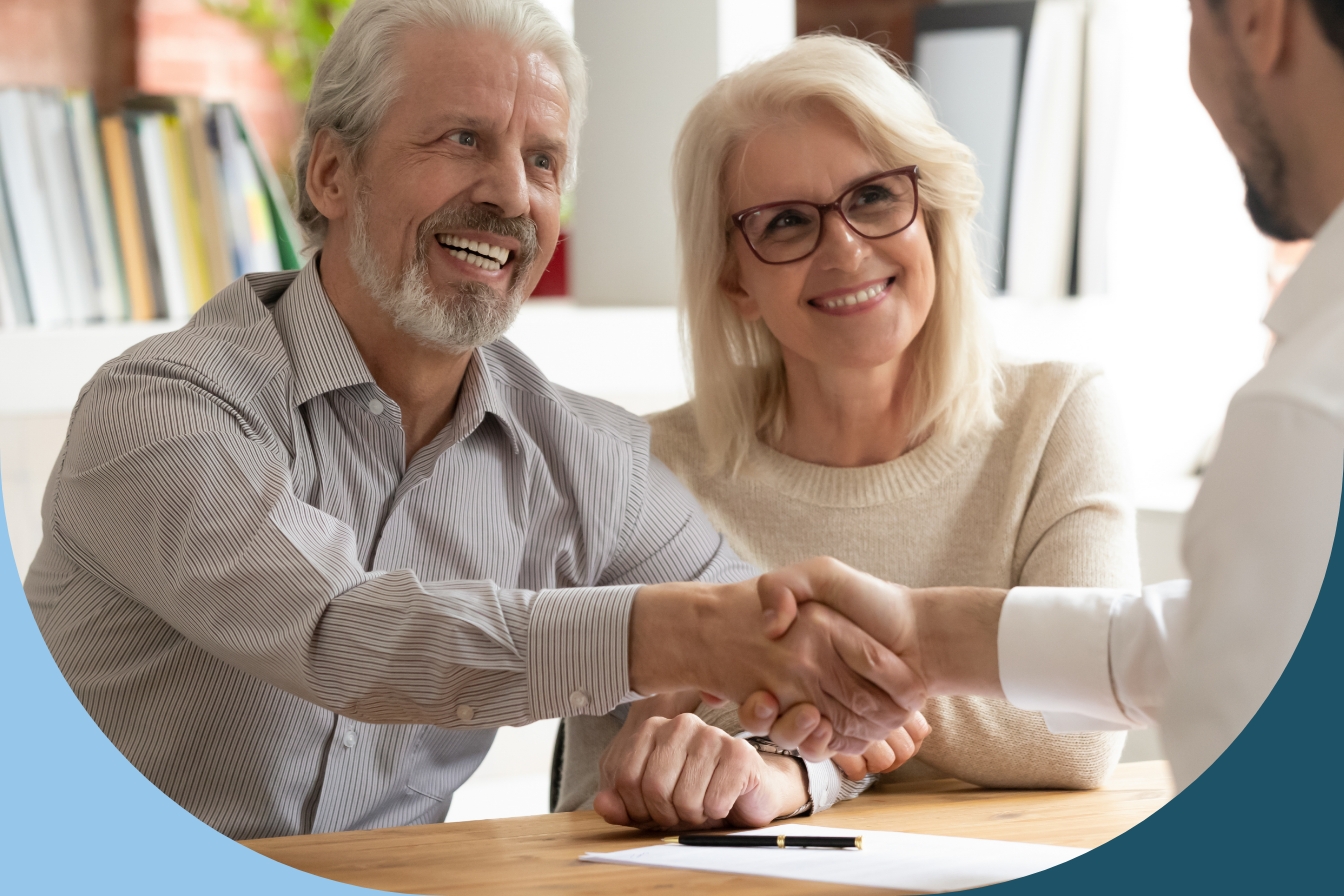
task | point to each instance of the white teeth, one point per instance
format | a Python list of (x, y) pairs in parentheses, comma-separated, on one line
[(862, 295), (498, 253), (486, 263)]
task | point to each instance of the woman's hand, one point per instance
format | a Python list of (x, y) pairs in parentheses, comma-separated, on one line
[(683, 774), (887, 755)]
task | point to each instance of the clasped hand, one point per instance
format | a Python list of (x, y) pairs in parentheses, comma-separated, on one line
[(806, 674), (882, 609), (667, 769), (817, 664)]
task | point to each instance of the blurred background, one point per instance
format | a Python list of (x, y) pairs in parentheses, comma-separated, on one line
[(145, 162)]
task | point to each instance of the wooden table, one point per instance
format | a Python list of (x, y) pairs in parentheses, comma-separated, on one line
[(540, 853)]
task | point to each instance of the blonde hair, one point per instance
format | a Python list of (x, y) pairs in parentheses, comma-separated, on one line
[(737, 368)]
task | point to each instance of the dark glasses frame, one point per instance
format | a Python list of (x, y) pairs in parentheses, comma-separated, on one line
[(910, 172)]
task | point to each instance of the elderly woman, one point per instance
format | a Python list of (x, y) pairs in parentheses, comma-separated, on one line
[(847, 402)]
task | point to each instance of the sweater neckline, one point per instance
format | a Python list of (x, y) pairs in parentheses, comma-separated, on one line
[(918, 470)]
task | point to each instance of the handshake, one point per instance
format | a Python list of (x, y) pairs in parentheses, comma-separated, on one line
[(818, 656)]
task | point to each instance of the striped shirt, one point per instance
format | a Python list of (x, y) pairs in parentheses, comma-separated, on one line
[(289, 628)]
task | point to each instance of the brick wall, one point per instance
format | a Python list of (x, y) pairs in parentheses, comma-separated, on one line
[(69, 43), (184, 49)]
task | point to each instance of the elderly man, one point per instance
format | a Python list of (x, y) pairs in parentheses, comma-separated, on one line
[(304, 555), (1199, 657)]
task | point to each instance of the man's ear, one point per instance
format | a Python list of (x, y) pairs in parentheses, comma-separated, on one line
[(1260, 29), (330, 181), (730, 282)]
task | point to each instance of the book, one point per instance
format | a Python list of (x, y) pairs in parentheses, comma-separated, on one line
[(186, 214), (126, 208), (205, 173), (970, 60), (1109, 30), (142, 214), (109, 279), (1043, 218), (34, 236), (8, 310), (149, 236), (152, 129), (60, 182), (14, 310), (285, 227), (252, 225)]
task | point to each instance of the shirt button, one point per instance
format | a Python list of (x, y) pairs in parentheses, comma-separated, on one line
[(579, 699), (375, 406), (350, 738), (465, 712)]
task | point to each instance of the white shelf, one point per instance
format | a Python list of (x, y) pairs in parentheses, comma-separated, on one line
[(1173, 361), (631, 355), (42, 371), (1172, 374)]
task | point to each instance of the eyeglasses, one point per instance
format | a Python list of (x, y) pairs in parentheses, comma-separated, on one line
[(881, 206)]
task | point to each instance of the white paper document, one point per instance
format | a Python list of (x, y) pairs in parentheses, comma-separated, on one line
[(888, 859)]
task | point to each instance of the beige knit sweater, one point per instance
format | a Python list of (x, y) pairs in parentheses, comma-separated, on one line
[(1038, 500)]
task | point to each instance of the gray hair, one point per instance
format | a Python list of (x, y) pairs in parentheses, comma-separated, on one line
[(357, 79)]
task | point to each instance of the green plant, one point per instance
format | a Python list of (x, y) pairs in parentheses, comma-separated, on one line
[(293, 34)]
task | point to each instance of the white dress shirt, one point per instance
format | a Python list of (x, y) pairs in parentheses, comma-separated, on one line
[(1198, 658)]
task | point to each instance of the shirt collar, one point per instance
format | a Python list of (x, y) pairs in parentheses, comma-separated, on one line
[(321, 351), (478, 396), (1318, 284), (325, 358)]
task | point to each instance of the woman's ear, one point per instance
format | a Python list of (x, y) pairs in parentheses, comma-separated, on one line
[(730, 282)]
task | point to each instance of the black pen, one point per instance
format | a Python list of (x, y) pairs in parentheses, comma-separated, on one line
[(781, 841)]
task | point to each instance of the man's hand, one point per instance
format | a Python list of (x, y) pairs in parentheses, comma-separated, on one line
[(711, 638), (682, 774), (946, 639), (887, 755), (880, 608)]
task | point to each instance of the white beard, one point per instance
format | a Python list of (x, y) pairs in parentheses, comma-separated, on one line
[(463, 317)]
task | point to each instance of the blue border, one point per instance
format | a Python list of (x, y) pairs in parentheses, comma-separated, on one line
[(76, 817)]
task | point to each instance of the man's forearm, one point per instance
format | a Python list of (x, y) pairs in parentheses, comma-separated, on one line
[(665, 626), (958, 630)]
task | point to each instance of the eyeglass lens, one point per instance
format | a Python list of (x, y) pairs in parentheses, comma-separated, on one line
[(876, 208)]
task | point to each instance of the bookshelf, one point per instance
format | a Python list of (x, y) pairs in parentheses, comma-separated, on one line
[(1198, 291), (69, 175), (75, 66), (139, 214)]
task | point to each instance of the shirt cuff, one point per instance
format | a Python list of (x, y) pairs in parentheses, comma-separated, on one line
[(827, 785), (1054, 656), (578, 651), (823, 784)]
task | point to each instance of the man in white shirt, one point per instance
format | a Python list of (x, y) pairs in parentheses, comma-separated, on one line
[(1199, 657)]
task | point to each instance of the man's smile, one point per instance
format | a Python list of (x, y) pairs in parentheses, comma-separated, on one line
[(485, 255)]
